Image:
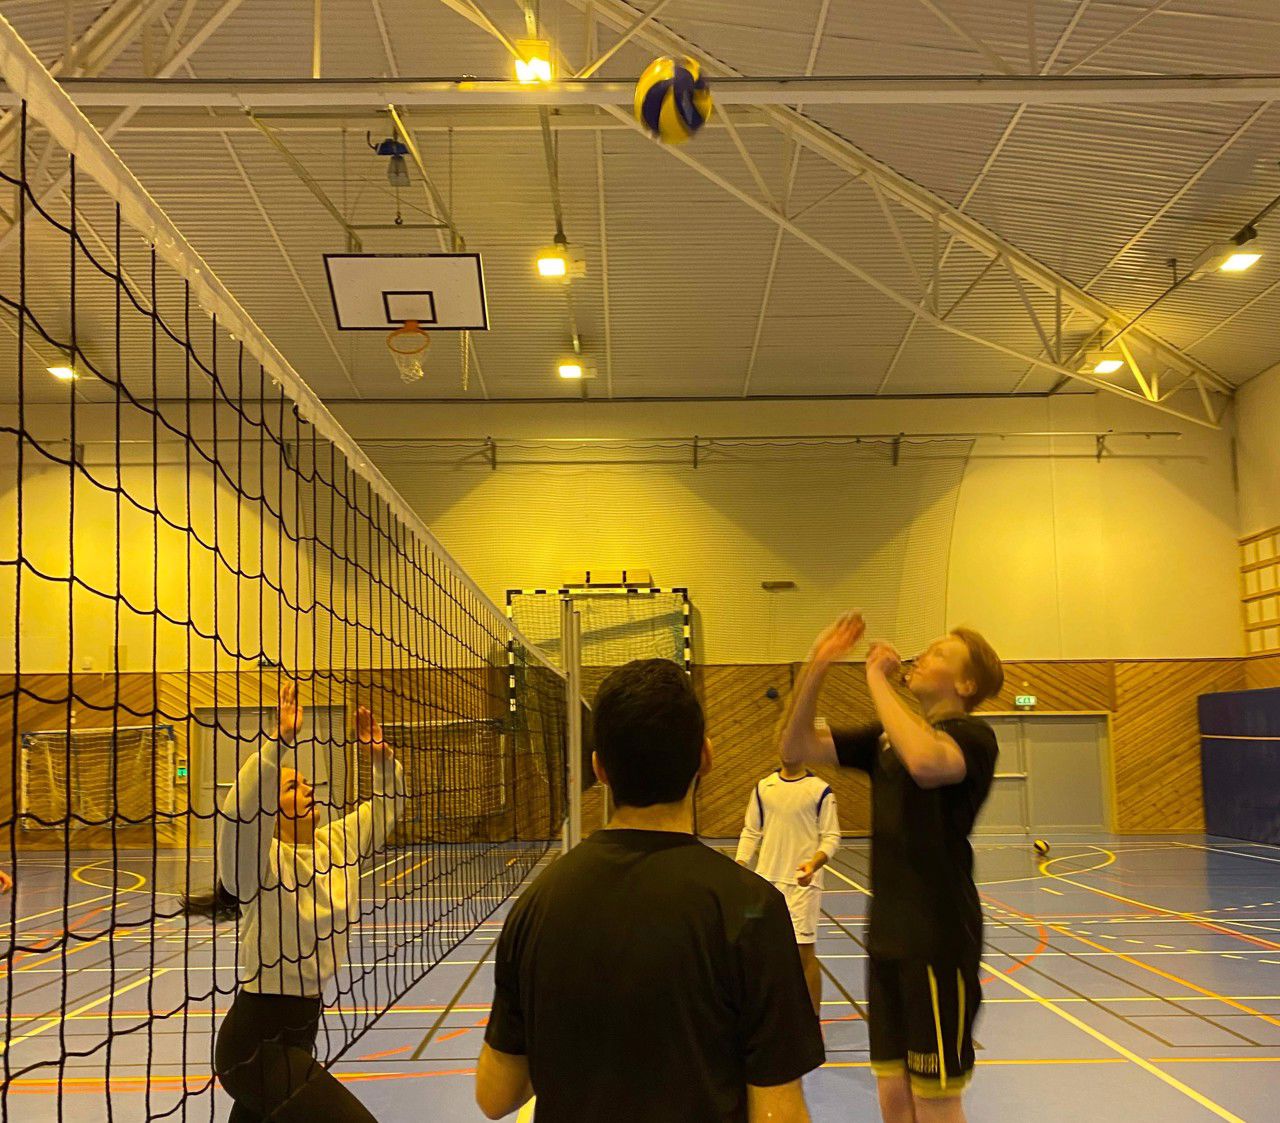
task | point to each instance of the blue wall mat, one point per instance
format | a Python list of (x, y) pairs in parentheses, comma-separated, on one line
[(1240, 751)]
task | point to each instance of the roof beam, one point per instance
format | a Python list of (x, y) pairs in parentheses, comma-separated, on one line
[(934, 209), (732, 89), (926, 315)]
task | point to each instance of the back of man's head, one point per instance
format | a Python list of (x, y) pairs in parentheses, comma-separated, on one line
[(649, 732)]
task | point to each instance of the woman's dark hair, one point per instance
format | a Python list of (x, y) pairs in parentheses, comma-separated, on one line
[(220, 904), (649, 732)]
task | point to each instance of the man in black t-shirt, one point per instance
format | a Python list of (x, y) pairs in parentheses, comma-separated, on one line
[(929, 779), (645, 977)]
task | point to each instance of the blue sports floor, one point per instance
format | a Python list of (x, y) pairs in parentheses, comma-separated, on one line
[(1126, 979)]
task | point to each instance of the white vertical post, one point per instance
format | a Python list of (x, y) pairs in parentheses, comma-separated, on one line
[(317, 32), (570, 644)]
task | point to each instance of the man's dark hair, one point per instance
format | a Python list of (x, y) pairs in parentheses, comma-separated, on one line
[(649, 732)]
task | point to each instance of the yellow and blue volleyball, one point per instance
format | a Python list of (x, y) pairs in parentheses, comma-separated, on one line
[(673, 99)]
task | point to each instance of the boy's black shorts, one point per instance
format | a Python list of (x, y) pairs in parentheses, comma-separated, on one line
[(921, 1020)]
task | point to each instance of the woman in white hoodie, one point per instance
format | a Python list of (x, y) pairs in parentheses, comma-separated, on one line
[(299, 891)]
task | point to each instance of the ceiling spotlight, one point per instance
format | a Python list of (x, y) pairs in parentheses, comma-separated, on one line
[(553, 263), (1239, 261), (64, 373), (1102, 362), (1227, 257), (575, 369), (534, 64), (556, 263)]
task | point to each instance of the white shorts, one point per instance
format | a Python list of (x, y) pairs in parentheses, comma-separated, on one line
[(805, 904)]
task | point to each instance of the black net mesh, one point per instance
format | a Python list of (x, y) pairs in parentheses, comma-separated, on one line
[(182, 547)]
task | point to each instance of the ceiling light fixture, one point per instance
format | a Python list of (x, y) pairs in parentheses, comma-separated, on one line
[(1102, 362), (1240, 261), (557, 263), (533, 67)]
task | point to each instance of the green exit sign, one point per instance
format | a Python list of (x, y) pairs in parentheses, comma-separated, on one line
[(182, 771), (1025, 701)]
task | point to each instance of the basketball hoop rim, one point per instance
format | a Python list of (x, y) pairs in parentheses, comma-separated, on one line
[(406, 333)]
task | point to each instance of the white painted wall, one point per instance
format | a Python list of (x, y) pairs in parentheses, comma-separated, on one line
[(1257, 414), (1054, 556)]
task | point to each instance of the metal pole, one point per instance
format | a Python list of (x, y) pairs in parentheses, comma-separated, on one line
[(570, 646)]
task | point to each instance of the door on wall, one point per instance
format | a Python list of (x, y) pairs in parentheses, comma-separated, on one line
[(229, 736), (1051, 774)]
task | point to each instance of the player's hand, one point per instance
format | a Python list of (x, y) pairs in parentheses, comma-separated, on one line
[(6, 882), (804, 874), (289, 714), (883, 662), (839, 639), (369, 733)]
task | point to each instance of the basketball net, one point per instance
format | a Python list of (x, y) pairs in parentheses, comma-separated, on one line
[(408, 345)]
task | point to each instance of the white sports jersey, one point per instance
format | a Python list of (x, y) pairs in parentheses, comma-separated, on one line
[(788, 821)]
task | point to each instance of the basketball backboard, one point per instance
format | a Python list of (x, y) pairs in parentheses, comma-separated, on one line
[(381, 292)]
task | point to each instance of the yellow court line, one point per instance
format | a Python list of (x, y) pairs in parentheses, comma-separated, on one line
[(1165, 975), (1193, 917), (1115, 1046), (79, 904), (526, 1112), (407, 872), (60, 1018), (849, 881), (78, 875)]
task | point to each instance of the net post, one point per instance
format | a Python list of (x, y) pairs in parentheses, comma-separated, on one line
[(570, 647)]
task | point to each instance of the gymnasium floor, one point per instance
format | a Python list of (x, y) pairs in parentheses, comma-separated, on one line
[(1127, 978)]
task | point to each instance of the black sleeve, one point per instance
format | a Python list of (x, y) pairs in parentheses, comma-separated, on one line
[(857, 747), (778, 1031), (505, 1031), (977, 741)]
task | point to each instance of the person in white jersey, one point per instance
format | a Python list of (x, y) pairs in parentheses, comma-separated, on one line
[(793, 823), (298, 885)]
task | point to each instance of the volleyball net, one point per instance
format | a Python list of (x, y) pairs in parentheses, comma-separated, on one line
[(185, 530)]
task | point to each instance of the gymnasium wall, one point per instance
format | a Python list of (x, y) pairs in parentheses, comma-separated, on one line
[(136, 573), (1060, 556), (1257, 418), (1154, 750)]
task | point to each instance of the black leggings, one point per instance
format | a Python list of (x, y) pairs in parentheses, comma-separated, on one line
[(265, 1059)]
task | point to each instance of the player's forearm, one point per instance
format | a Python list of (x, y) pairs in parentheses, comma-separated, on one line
[(748, 846), (247, 825), (799, 743), (918, 746), (387, 802), (820, 858)]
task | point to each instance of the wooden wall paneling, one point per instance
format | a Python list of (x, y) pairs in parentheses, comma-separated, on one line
[(1156, 741), (740, 725), (1262, 673), (1058, 685)]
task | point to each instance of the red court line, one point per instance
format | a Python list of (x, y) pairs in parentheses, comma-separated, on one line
[(1148, 967), (1037, 951)]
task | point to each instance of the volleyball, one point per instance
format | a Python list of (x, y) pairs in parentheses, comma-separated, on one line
[(673, 99), (1041, 846)]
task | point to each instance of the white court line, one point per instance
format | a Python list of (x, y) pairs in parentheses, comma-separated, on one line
[(1115, 1046), (1223, 850), (58, 1019)]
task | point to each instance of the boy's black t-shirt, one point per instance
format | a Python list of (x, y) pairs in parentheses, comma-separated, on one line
[(649, 978), (925, 904)]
